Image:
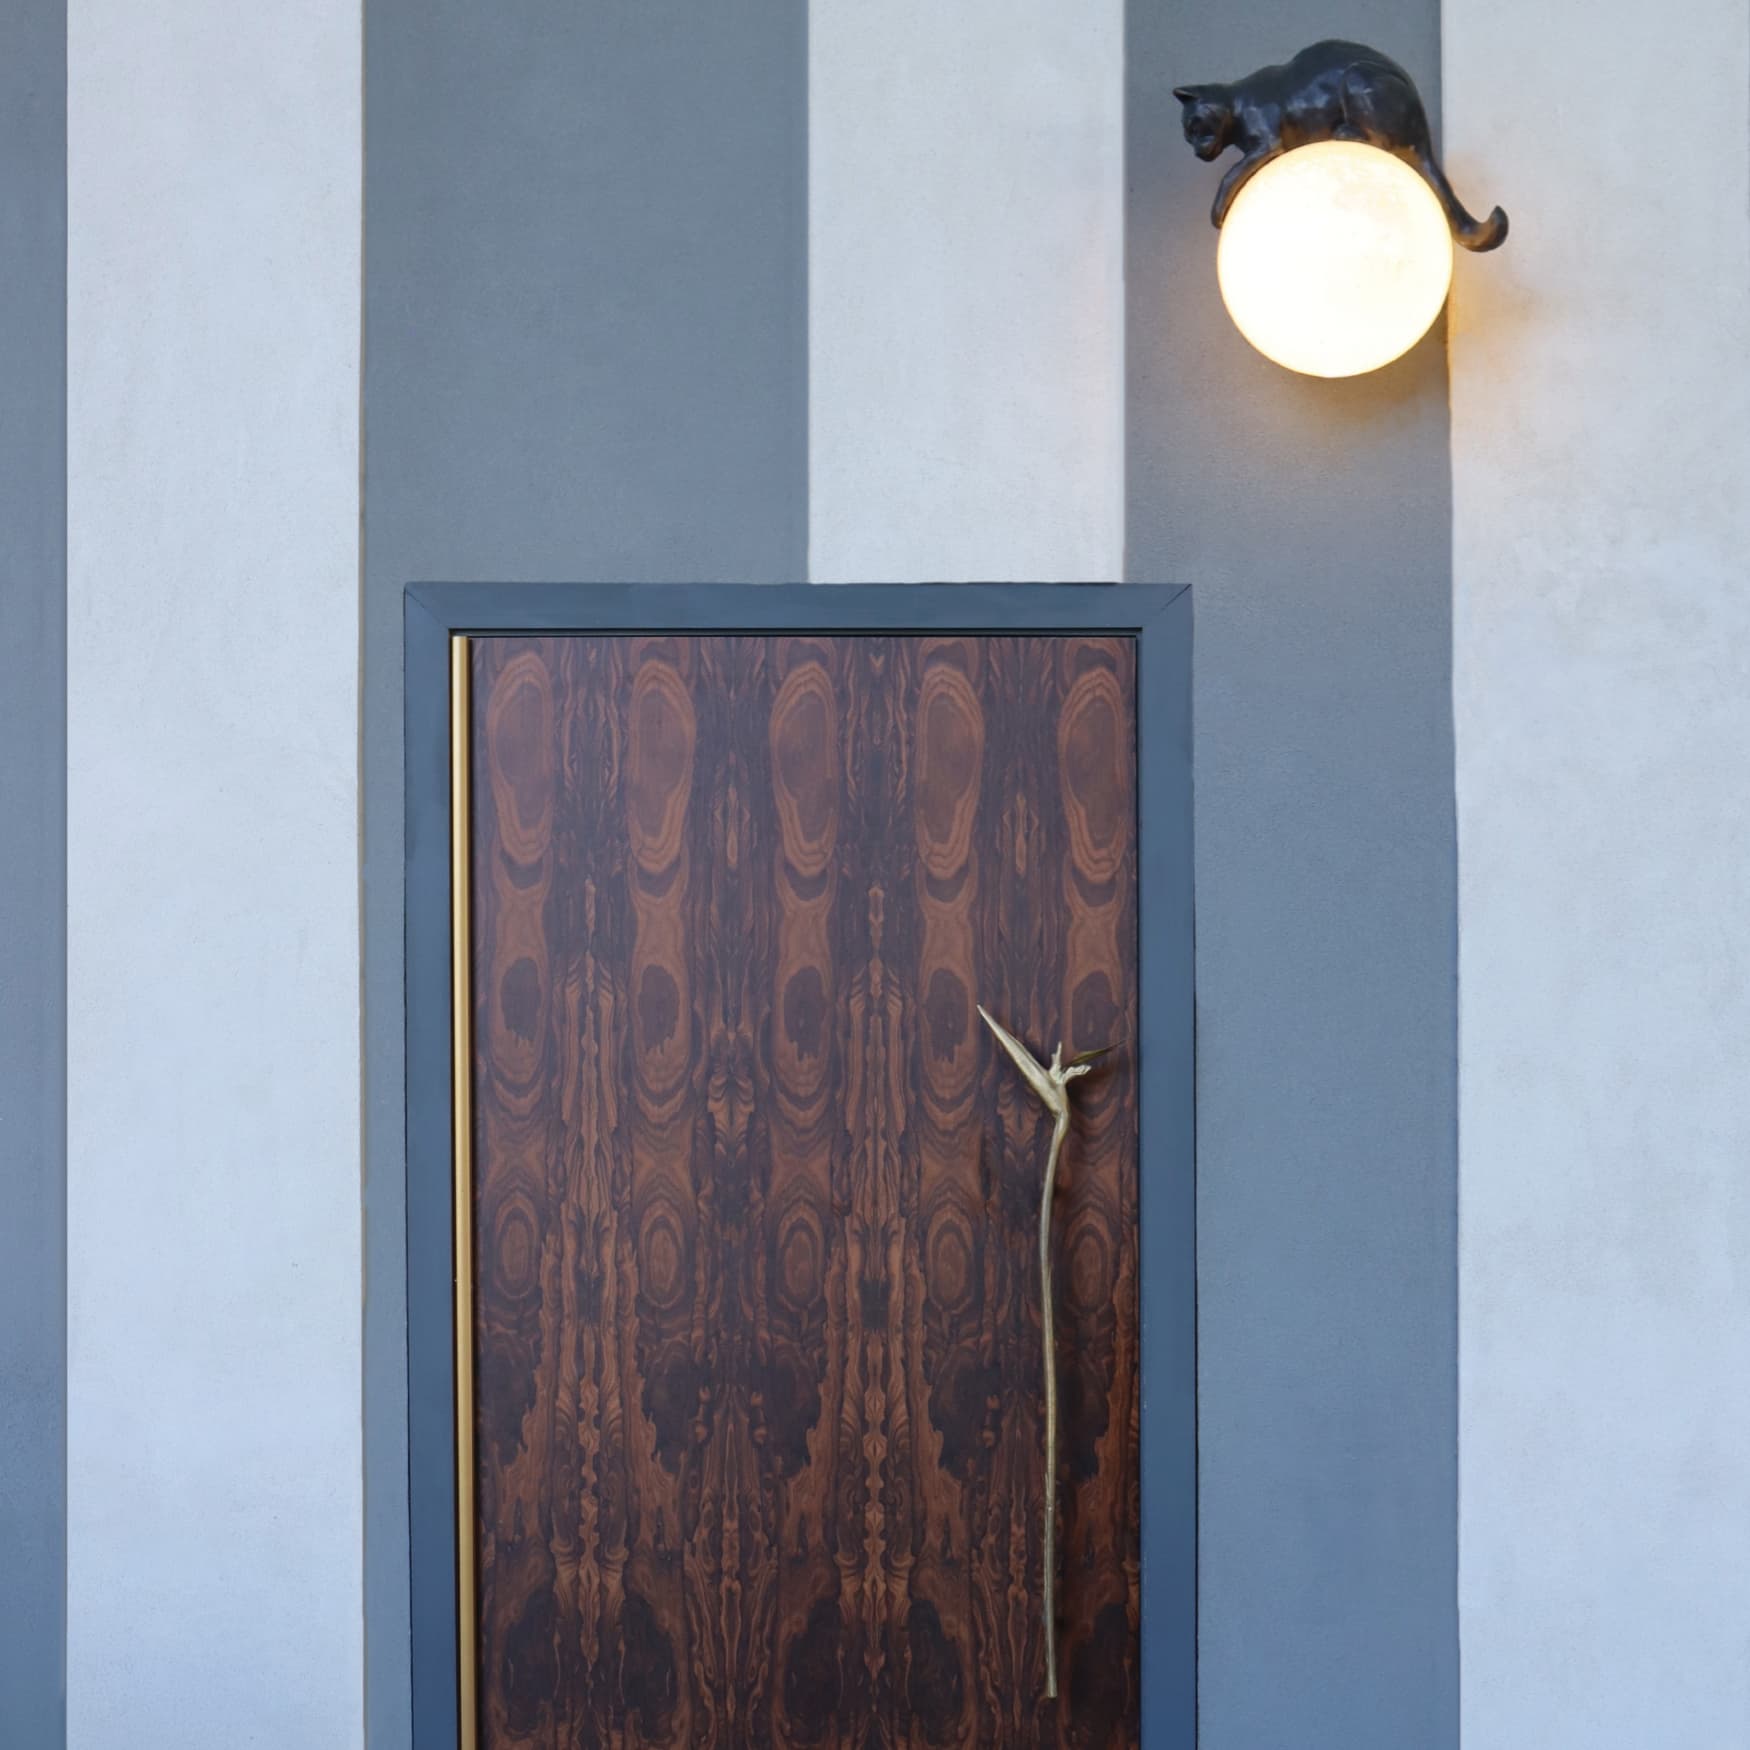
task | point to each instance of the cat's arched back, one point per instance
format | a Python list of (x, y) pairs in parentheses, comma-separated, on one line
[(1332, 91)]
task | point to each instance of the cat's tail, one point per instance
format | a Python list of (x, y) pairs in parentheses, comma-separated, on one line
[(1475, 234)]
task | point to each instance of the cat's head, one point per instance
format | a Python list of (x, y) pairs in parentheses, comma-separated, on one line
[(1209, 118)]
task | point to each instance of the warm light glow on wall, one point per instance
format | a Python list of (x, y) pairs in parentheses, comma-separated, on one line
[(1335, 259)]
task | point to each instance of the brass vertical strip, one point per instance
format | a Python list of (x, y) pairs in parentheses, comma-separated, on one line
[(462, 1080)]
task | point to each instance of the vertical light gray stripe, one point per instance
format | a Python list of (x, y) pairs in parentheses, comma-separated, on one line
[(33, 872), (1312, 520), (585, 358), (1601, 651), (214, 1516), (966, 289)]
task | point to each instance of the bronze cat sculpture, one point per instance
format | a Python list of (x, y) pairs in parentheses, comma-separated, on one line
[(1332, 91)]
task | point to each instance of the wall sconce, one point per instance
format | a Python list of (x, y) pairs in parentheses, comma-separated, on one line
[(1337, 222)]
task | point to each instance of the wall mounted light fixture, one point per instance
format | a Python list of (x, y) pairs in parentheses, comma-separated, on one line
[(1337, 221)]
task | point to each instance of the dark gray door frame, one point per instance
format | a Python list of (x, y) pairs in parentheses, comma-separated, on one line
[(1158, 617)]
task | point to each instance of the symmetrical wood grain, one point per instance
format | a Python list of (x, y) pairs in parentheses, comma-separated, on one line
[(757, 1328)]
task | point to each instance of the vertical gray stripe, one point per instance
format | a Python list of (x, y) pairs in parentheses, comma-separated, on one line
[(1313, 521), (585, 358), (33, 872)]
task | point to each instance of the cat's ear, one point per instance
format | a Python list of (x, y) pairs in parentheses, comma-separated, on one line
[(1187, 93)]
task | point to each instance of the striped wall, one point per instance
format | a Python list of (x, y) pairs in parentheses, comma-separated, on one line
[(364, 292)]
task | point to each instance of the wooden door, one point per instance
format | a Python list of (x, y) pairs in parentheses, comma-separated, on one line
[(758, 1398)]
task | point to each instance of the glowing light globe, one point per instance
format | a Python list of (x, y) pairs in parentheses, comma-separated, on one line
[(1334, 259)]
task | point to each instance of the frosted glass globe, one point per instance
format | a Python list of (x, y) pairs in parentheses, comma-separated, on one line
[(1334, 259)]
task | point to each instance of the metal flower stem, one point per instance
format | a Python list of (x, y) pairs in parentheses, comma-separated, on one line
[(1048, 1336), (1049, 1085)]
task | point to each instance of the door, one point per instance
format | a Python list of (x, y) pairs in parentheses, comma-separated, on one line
[(750, 1332)]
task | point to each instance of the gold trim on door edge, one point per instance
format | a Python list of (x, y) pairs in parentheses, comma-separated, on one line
[(462, 1118)]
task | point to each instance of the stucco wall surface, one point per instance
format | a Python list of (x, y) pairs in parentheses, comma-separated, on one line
[(214, 1530), (1601, 485), (966, 290)]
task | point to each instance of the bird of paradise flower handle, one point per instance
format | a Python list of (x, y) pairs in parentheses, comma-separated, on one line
[(1050, 1084)]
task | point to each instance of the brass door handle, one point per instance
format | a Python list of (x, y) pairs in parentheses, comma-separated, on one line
[(1050, 1085)]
